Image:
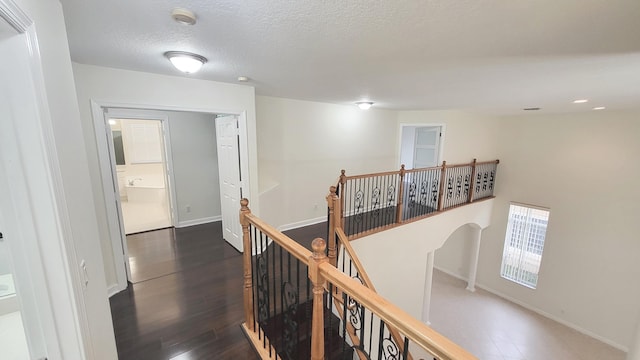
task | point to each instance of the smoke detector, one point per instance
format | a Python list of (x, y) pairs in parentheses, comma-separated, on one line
[(183, 16)]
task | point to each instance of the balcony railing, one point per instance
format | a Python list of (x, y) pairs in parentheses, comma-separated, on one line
[(375, 202), (299, 305)]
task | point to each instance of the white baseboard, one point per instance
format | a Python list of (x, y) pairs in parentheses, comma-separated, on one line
[(539, 311), (114, 289), (200, 221), (300, 224), (9, 304)]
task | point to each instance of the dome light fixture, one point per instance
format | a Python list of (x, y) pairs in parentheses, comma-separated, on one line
[(185, 61), (364, 105)]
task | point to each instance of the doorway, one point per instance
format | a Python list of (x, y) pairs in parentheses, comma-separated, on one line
[(421, 145), (141, 167), (193, 192)]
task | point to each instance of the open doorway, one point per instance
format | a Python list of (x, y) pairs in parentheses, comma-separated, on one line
[(141, 166), (196, 172), (421, 145)]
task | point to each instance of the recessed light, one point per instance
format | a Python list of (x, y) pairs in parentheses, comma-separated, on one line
[(183, 16), (580, 101), (243, 79), (599, 108), (112, 122), (364, 105), (531, 109), (185, 61)]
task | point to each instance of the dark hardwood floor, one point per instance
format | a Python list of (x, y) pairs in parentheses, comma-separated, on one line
[(186, 299)]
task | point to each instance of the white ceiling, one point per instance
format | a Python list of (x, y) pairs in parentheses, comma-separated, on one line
[(496, 56)]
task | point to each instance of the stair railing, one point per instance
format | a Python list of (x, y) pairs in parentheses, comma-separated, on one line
[(292, 297), (371, 203)]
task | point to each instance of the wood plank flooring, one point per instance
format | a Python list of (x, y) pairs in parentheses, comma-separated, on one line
[(186, 299)]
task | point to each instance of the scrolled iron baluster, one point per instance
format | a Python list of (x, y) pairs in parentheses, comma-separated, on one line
[(492, 178), (390, 350), (359, 205), (412, 194), (375, 202), (449, 187), (291, 326), (485, 181), (467, 179), (263, 291), (434, 191), (424, 192), (478, 181), (459, 186)]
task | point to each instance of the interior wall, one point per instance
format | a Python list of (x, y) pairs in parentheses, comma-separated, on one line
[(466, 136), (73, 170), (582, 167), (454, 256), (303, 145), (153, 91), (195, 166), (401, 253)]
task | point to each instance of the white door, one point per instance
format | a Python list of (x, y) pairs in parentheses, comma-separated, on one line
[(230, 178), (426, 147)]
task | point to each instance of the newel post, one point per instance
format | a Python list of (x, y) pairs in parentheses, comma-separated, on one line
[(343, 184), (246, 255), (317, 318), (400, 194), (471, 183), (443, 176), (332, 203)]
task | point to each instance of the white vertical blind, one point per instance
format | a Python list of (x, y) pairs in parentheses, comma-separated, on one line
[(523, 244)]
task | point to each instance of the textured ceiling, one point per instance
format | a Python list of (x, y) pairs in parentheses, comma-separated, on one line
[(497, 56)]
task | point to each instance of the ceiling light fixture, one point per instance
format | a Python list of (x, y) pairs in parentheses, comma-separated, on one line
[(185, 61), (183, 16), (580, 101), (364, 105), (112, 122), (243, 79), (599, 108)]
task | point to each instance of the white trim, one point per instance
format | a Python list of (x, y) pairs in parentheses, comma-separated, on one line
[(107, 180), (443, 131), (50, 219), (9, 304), (539, 311), (200, 221), (14, 16), (114, 289), (302, 223)]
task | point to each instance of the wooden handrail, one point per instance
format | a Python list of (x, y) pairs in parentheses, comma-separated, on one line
[(297, 250), (419, 333), (397, 172)]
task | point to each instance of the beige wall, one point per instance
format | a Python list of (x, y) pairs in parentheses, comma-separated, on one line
[(303, 145), (584, 168)]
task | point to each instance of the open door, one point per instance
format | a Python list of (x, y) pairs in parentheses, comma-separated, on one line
[(228, 142)]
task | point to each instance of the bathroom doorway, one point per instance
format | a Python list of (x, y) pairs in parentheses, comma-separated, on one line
[(140, 159)]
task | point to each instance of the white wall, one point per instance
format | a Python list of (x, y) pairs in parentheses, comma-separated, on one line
[(396, 259), (107, 85), (303, 145), (195, 165), (466, 136), (73, 172), (583, 167)]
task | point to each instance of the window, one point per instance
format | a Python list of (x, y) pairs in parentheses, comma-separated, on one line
[(523, 244)]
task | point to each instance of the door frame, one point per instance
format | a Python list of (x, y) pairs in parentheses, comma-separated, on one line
[(116, 232), (136, 114), (443, 130), (40, 237)]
